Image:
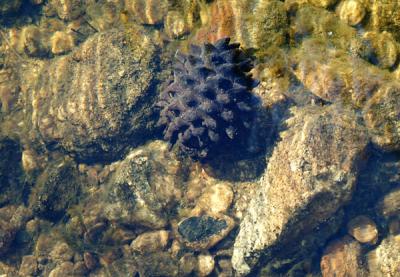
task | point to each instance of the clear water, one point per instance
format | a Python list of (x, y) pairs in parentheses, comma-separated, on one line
[(90, 187)]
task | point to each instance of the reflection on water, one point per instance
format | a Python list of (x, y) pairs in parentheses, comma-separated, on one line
[(89, 188)]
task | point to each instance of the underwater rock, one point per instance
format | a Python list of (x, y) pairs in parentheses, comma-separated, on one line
[(363, 229), (150, 12), (385, 16), (206, 264), (158, 265), (310, 175), (176, 24), (61, 252), (29, 266), (12, 219), (323, 3), (203, 232), (342, 257), (9, 89), (267, 25), (381, 115), (332, 74), (385, 259), (61, 43), (105, 15), (389, 205), (150, 242), (254, 24), (384, 48), (68, 9), (56, 189), (187, 264), (8, 270), (96, 100), (32, 41), (351, 11), (64, 269), (323, 26), (32, 161), (9, 6), (143, 187), (225, 267), (209, 104), (215, 199)]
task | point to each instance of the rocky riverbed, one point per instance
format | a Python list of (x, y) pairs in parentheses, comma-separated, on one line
[(88, 187)]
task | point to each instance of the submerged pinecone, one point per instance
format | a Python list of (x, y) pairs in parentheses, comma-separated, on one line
[(209, 103)]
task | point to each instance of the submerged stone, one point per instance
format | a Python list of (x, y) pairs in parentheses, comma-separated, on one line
[(97, 100), (203, 232), (200, 228), (310, 176), (56, 189)]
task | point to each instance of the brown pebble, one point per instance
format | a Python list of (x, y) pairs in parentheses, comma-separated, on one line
[(363, 229)]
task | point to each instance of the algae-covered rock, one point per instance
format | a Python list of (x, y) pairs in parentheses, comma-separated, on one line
[(311, 174), (56, 189), (319, 23), (381, 115), (323, 3), (351, 11), (384, 48), (12, 219), (68, 9), (335, 75), (150, 12), (141, 189), (254, 24), (268, 24), (33, 41), (9, 89), (385, 16), (96, 100)]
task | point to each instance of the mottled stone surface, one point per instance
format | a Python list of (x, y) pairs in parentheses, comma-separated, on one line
[(12, 219), (311, 174), (351, 11), (85, 190), (203, 232), (385, 16), (342, 257), (385, 259), (215, 199), (97, 99), (56, 189), (382, 114), (363, 229), (256, 24), (389, 205), (150, 241), (141, 189)]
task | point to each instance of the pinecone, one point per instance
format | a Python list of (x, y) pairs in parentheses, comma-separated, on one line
[(209, 104)]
